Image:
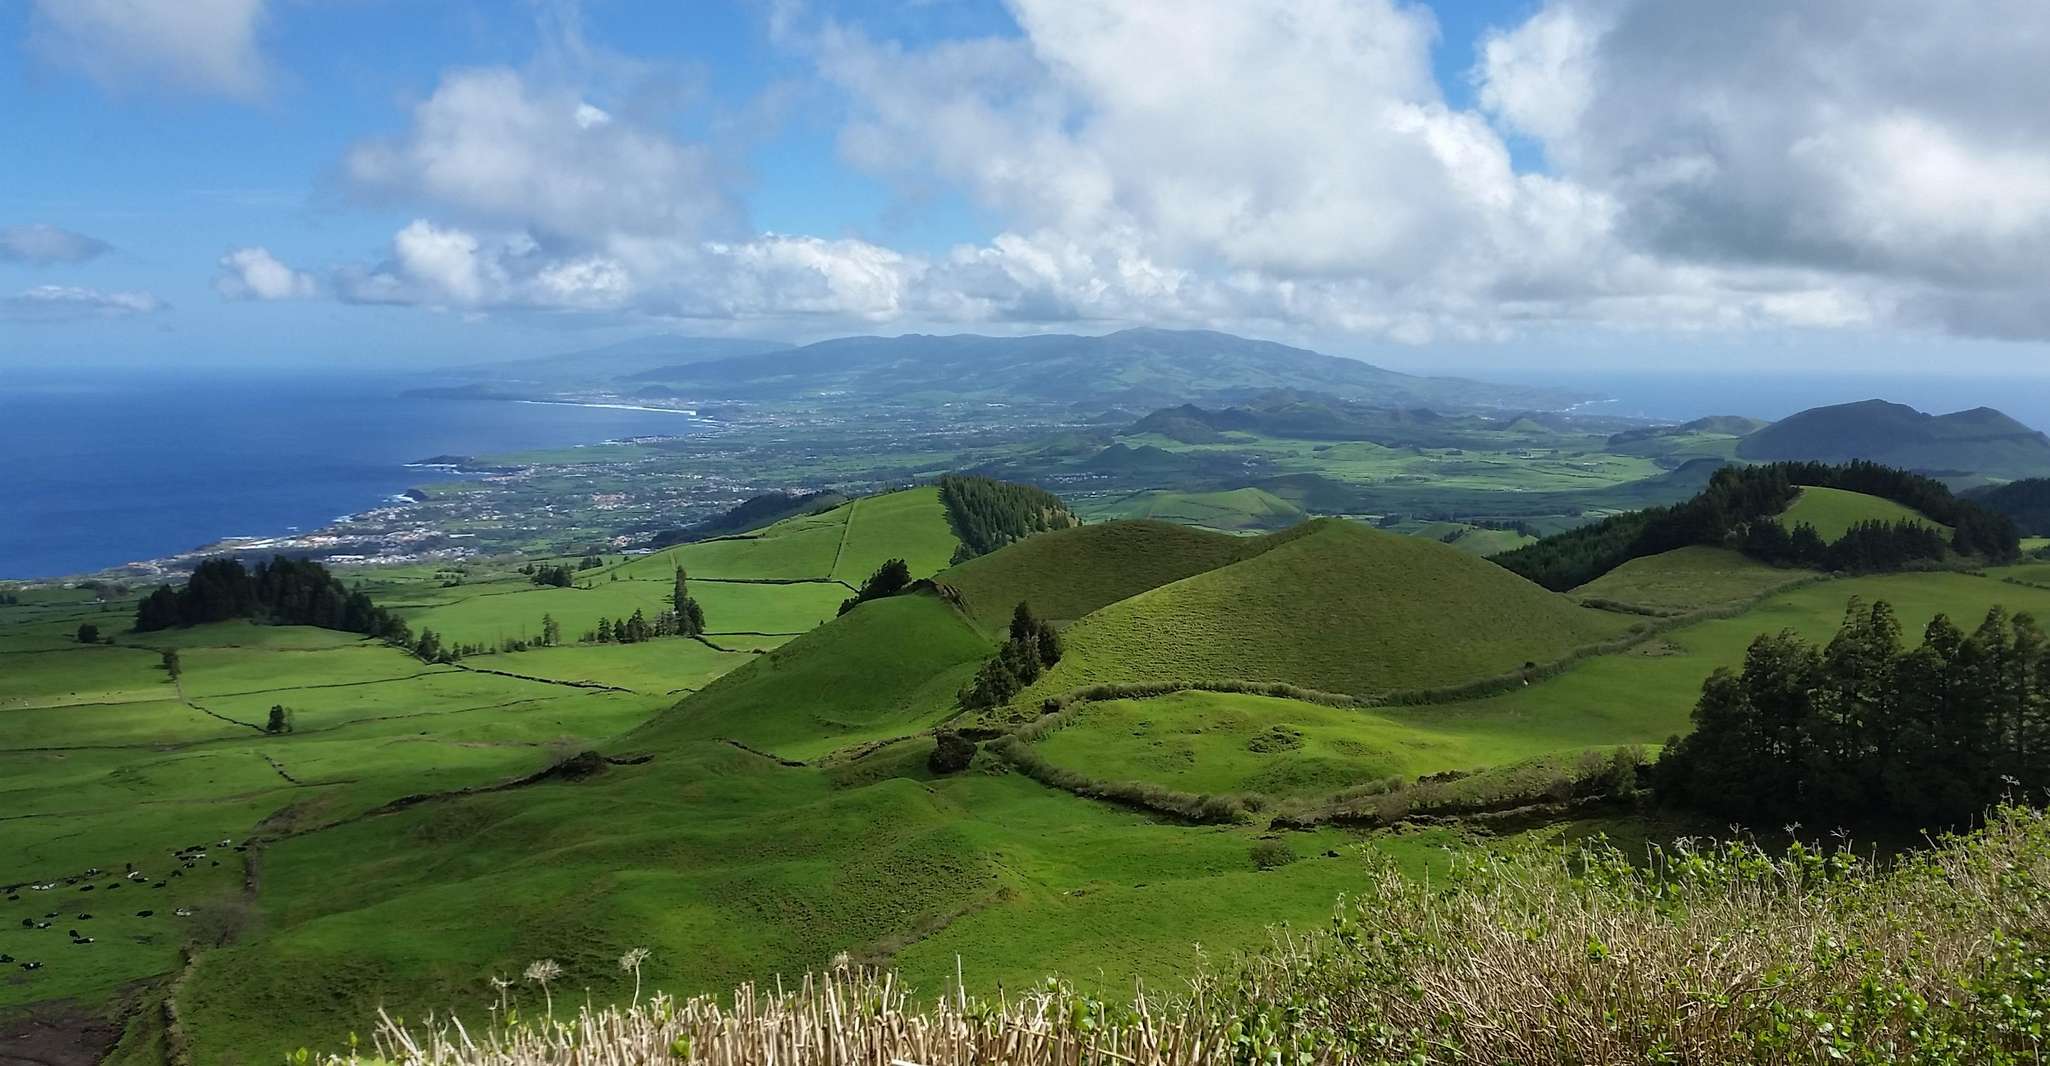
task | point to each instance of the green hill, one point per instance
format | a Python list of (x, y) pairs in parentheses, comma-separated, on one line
[(1069, 573), (1230, 509), (1981, 441), (888, 668), (1834, 511), (1688, 579), (1331, 605)]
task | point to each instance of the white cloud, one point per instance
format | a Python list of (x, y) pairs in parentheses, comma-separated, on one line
[(202, 45), (255, 274), (1889, 143), (52, 303), (41, 244), (498, 147)]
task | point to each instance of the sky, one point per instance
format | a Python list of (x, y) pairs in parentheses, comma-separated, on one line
[(1835, 185)]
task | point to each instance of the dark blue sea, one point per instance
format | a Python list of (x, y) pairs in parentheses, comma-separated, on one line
[(99, 471)]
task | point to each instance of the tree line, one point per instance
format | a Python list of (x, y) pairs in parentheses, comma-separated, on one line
[(1740, 500), (279, 592), (987, 514), (1864, 729)]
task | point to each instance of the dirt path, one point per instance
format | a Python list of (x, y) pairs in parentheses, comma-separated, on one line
[(56, 1034)]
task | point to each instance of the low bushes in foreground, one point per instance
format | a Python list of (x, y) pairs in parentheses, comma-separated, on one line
[(1704, 954)]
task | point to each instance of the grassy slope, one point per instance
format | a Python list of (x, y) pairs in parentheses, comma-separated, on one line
[(890, 667), (910, 525), (1071, 572), (1687, 579), (1228, 509), (1334, 606), (1834, 511)]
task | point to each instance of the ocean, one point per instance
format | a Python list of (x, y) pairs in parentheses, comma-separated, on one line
[(104, 470)]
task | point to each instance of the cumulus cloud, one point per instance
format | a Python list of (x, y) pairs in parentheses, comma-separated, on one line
[(41, 244), (1884, 141), (255, 274), (498, 146), (56, 303), (201, 45)]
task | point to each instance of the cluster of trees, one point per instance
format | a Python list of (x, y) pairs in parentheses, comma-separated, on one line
[(892, 577), (1740, 500), (1864, 728), (685, 618), (987, 514), (280, 592), (561, 577), (280, 720), (1033, 646)]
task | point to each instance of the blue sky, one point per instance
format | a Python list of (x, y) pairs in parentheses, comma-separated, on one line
[(1459, 185)]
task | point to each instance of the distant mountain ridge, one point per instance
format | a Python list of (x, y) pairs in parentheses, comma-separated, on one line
[(1981, 441), (1135, 367), (1306, 416)]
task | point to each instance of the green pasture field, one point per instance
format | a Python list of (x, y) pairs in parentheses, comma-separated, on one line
[(1222, 742), (1690, 578), (1834, 511), (730, 607), (106, 762), (669, 666), (910, 525)]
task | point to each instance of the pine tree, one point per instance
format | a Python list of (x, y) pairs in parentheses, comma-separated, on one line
[(1023, 625)]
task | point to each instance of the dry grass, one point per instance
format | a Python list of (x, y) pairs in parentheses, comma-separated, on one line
[(1711, 954)]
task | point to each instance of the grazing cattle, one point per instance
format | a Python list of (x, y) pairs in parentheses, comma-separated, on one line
[(5, 959), (145, 914), (31, 965), (28, 923)]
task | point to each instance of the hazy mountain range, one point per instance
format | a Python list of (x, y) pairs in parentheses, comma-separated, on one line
[(1134, 368)]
